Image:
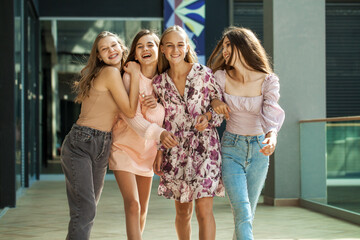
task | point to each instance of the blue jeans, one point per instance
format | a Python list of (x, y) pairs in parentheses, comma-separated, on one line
[(244, 170), (84, 158)]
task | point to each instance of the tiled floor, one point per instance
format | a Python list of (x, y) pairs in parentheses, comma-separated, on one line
[(41, 213)]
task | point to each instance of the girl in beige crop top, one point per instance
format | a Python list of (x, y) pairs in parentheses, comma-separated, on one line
[(101, 90), (85, 150)]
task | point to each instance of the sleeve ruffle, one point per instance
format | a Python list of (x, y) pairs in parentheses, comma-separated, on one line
[(144, 126), (220, 80), (215, 93), (272, 115), (156, 115)]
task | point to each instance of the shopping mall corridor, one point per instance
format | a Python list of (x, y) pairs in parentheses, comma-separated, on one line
[(42, 214)]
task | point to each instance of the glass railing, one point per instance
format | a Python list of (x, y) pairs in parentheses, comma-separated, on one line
[(330, 165)]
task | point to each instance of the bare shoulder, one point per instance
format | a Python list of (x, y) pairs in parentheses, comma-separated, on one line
[(107, 76), (260, 76), (109, 71), (110, 74)]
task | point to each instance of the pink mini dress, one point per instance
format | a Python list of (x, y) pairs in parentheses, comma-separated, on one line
[(135, 140)]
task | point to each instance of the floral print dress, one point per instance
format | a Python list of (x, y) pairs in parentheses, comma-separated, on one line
[(192, 169)]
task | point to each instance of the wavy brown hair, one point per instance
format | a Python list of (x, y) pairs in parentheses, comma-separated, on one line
[(94, 65), (247, 44), (163, 63), (137, 37)]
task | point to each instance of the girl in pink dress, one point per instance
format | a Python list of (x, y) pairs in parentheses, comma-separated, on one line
[(135, 140)]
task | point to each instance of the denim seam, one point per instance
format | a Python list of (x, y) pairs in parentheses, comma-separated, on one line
[(104, 144), (77, 199), (231, 139), (258, 141), (248, 150)]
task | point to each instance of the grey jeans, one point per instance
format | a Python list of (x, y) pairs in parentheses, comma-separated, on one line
[(84, 158)]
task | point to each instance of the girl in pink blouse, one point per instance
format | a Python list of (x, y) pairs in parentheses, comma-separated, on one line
[(135, 140), (251, 94)]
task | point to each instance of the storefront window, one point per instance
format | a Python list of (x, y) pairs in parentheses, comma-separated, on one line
[(18, 91), (66, 46)]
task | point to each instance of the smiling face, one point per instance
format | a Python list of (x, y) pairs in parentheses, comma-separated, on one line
[(227, 52), (174, 47), (110, 51), (146, 50)]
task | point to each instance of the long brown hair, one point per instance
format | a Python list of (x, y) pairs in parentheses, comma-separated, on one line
[(137, 37), (191, 57), (94, 65), (247, 44)]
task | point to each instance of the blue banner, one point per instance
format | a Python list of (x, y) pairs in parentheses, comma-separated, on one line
[(190, 15)]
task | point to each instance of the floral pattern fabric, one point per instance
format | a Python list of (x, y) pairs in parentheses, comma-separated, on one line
[(192, 169)]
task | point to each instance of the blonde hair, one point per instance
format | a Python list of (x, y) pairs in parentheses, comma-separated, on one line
[(191, 57), (247, 44), (94, 65)]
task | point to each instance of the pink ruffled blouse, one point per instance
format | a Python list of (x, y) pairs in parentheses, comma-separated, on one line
[(252, 116)]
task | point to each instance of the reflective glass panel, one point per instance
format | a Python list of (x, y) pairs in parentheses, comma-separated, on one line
[(330, 163), (343, 165), (66, 45), (18, 91), (31, 97)]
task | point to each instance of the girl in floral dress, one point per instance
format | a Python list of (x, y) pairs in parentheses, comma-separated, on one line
[(191, 170)]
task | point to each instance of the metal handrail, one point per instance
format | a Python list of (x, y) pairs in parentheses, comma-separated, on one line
[(335, 119)]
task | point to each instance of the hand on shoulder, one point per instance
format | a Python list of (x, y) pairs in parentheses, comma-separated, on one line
[(132, 68)]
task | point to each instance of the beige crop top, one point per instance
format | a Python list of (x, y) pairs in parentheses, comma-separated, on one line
[(98, 111)]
